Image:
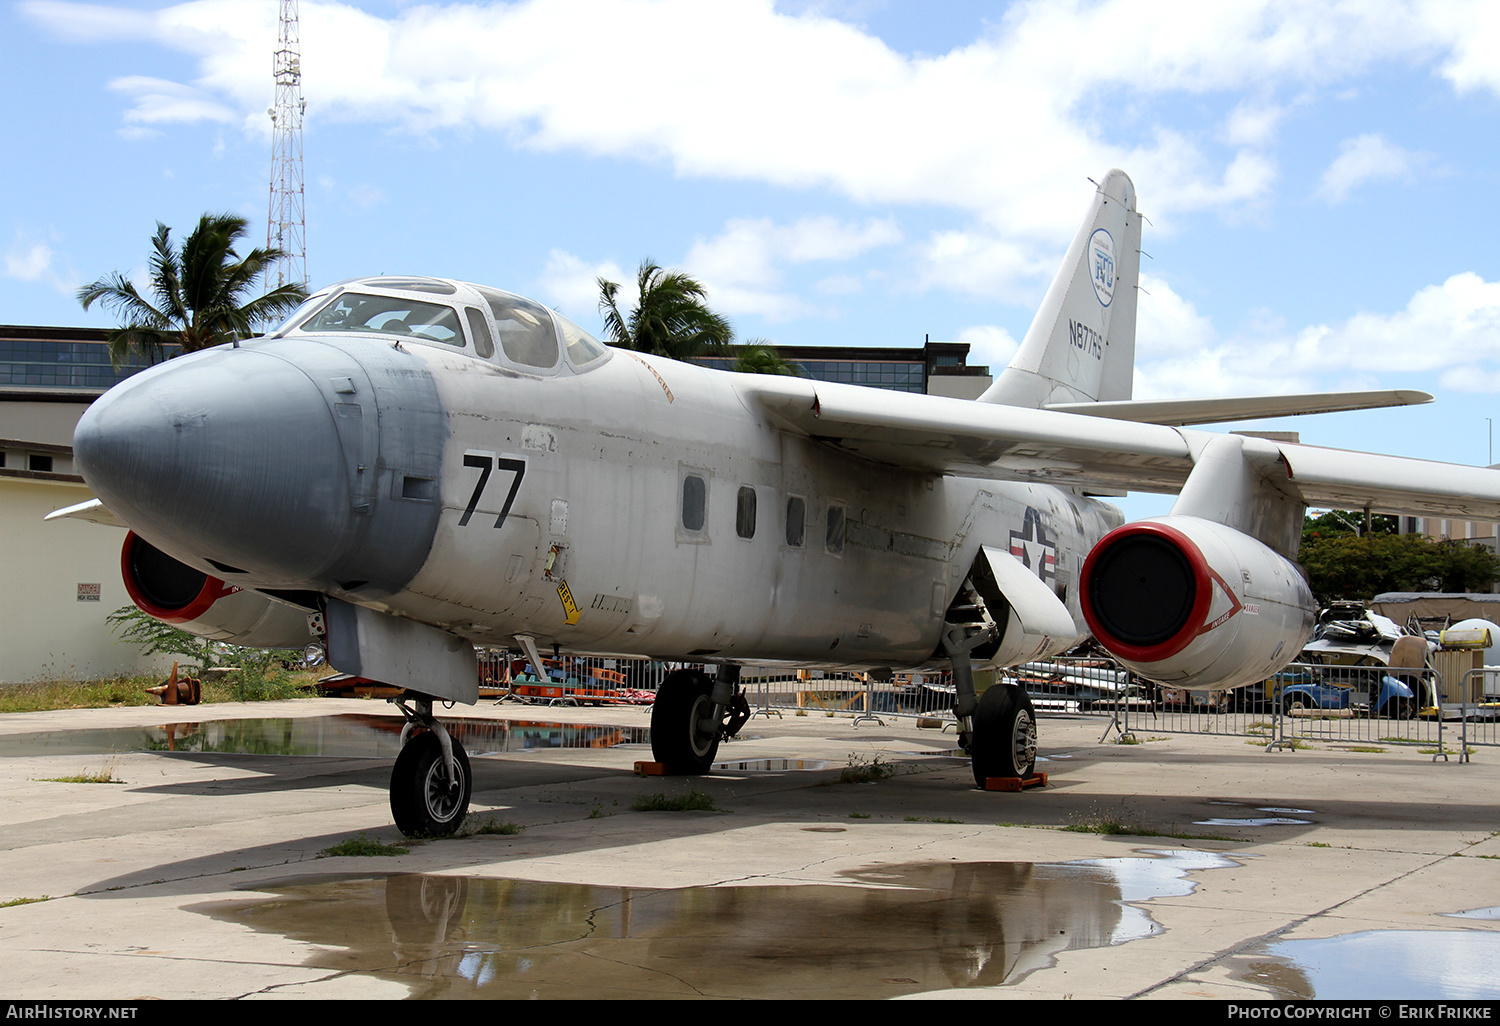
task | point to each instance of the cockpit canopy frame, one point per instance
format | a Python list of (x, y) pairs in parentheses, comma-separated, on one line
[(450, 315)]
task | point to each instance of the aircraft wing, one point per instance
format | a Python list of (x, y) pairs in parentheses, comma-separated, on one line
[(1218, 410), (1089, 453), (93, 511)]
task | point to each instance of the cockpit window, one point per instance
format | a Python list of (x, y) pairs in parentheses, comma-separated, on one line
[(309, 304), (582, 348), (388, 315), (526, 332)]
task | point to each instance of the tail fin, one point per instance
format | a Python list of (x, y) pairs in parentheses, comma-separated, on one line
[(1081, 346)]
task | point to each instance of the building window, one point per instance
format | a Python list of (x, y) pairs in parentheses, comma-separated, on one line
[(39, 463), (744, 513), (796, 520)]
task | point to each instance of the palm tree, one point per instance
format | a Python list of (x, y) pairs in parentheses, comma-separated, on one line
[(199, 293), (759, 356), (670, 317)]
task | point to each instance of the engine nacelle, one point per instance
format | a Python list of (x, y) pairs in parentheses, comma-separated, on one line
[(1194, 603), (175, 593)]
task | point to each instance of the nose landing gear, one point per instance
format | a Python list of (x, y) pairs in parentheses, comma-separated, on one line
[(431, 782)]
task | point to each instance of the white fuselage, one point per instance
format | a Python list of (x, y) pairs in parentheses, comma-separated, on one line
[(605, 460)]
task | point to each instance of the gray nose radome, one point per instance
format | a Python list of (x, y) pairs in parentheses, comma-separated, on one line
[(231, 455)]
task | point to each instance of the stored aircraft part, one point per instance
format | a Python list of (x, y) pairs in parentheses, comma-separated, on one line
[(685, 731), (1193, 603), (1004, 738), (426, 799), (401, 652), (203, 605)]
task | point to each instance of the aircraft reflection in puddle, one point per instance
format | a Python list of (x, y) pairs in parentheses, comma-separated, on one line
[(348, 736), (916, 927)]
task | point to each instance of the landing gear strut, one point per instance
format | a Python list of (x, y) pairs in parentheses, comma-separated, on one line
[(431, 782), (692, 714), (997, 729)]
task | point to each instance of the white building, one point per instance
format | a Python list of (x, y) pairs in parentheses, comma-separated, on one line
[(58, 581)]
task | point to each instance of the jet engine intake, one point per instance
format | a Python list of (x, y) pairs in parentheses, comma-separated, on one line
[(200, 604), (1193, 603)]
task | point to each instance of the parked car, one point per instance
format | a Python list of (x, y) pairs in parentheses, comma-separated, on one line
[(1395, 699)]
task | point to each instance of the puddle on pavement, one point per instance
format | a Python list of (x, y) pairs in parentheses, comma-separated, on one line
[(1413, 965), (347, 736), (892, 930), (1493, 912), (1262, 821), (770, 765)]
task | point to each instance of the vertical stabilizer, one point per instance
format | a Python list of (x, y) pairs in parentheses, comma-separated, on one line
[(1081, 346)]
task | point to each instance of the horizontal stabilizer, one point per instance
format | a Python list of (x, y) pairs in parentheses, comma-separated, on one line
[(1182, 412)]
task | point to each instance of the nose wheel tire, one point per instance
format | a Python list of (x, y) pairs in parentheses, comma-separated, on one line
[(684, 731), (1003, 743), (424, 802)]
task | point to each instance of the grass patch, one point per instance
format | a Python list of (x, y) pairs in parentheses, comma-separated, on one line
[(859, 815), (1296, 743), (691, 800), (489, 825), (931, 819), (248, 684), (1113, 826), (861, 772), (104, 776), (1318, 844), (1444, 750), (24, 901), (1365, 748), (363, 846)]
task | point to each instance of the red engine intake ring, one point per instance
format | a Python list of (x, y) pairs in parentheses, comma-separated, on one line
[(1192, 623), (212, 590)]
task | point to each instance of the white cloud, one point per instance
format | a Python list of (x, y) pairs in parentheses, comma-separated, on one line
[(631, 78), (990, 345), (570, 284), (157, 100), (1369, 157), (33, 261), (1452, 329), (743, 266)]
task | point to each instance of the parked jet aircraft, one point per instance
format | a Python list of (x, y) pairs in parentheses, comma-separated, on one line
[(427, 465)]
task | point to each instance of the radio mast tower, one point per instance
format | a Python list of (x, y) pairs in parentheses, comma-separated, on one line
[(286, 227)]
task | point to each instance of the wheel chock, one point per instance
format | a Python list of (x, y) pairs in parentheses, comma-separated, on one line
[(1013, 783), (651, 769)]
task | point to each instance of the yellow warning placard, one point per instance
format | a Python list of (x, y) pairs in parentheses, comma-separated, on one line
[(570, 608)]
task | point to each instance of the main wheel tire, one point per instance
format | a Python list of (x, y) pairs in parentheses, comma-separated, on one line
[(1004, 739), (679, 739), (422, 802)]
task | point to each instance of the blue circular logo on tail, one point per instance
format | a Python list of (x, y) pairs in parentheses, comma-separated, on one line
[(1102, 265)]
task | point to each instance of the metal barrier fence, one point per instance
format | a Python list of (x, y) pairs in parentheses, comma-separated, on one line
[(1345, 705)]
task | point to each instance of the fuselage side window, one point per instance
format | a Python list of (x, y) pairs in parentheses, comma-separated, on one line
[(796, 521), (744, 513), (694, 503), (833, 539), (526, 332)]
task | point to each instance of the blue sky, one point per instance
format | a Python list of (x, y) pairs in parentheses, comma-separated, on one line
[(1321, 179)]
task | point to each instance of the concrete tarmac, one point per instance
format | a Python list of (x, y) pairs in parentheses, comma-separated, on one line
[(203, 874)]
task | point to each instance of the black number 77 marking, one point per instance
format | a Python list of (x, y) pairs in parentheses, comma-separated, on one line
[(485, 464)]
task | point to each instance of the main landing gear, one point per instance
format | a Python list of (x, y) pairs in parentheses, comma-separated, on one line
[(692, 714), (431, 782), (997, 729)]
